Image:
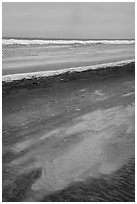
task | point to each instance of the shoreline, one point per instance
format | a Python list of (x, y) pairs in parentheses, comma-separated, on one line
[(48, 78), (20, 76)]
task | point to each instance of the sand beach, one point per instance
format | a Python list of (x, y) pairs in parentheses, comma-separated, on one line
[(68, 135)]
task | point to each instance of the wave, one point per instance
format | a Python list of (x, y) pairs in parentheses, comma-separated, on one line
[(63, 42), (20, 76)]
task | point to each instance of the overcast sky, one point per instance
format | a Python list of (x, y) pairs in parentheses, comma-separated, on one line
[(69, 20)]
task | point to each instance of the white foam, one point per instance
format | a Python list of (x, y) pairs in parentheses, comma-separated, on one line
[(63, 42), (13, 77)]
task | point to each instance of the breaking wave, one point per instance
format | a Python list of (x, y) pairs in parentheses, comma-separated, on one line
[(20, 76), (63, 42)]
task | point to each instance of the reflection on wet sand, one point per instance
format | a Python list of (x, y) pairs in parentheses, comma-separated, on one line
[(97, 143), (72, 134)]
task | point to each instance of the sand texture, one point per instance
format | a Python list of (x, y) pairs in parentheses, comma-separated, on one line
[(70, 141)]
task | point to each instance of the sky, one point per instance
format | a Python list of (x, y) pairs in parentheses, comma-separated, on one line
[(70, 20)]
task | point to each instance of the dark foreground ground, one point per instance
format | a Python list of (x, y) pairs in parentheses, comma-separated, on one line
[(70, 141)]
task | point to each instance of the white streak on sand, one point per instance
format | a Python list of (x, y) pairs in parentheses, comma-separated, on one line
[(104, 143), (129, 94)]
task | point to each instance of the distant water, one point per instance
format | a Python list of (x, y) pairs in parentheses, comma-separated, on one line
[(62, 42), (34, 55)]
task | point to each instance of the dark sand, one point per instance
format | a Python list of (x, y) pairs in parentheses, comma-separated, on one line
[(70, 141)]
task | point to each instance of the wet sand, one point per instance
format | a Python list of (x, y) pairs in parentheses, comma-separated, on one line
[(70, 141)]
